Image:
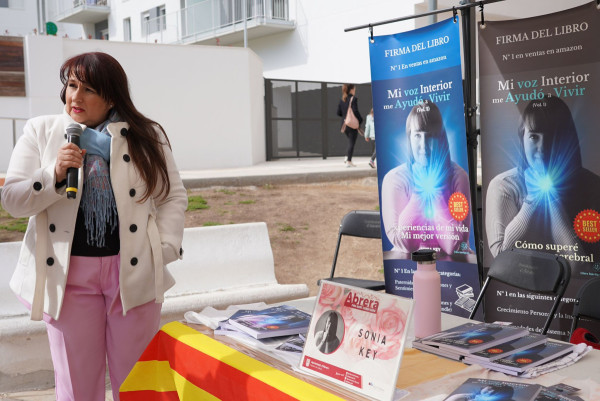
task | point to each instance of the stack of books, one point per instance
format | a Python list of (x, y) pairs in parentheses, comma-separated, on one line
[(279, 331), (487, 389), (508, 349), (276, 321)]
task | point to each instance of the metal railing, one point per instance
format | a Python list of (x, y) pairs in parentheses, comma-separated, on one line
[(210, 16), (57, 9), (14, 125), (77, 3)]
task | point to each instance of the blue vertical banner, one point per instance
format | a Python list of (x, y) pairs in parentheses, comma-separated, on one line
[(424, 191)]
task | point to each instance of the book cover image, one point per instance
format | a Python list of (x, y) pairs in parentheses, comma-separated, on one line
[(494, 390), (477, 338), (549, 395), (356, 339), (508, 348), (271, 322), (535, 356)]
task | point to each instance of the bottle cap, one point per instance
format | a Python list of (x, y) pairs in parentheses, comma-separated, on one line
[(424, 255)]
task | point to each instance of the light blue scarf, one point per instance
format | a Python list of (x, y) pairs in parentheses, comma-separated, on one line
[(97, 200)]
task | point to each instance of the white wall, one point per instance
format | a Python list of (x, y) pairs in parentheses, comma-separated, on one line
[(133, 10), (19, 19), (319, 49), (210, 100)]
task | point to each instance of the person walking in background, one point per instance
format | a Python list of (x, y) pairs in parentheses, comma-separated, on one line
[(370, 136), (93, 267), (349, 100)]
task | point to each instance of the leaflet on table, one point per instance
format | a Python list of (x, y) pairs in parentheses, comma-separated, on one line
[(469, 339), (547, 394), (473, 389), (529, 358), (271, 322), (505, 349), (356, 338), (562, 388), (287, 349)]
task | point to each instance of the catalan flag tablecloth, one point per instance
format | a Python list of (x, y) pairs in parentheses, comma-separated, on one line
[(181, 363)]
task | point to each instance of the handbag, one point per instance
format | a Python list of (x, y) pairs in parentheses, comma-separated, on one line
[(350, 120)]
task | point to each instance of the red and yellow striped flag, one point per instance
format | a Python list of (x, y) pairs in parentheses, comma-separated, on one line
[(182, 364)]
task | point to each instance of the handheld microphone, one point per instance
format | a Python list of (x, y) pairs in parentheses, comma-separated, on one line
[(74, 131)]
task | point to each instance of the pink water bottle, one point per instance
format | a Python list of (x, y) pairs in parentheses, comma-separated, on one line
[(427, 294)]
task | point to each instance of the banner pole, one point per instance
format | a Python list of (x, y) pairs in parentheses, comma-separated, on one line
[(470, 97), (467, 5)]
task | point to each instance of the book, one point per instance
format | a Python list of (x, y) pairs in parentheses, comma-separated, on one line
[(475, 389), (470, 339), (271, 322), (505, 349), (418, 344), (547, 394), (531, 357), (356, 338), (226, 329)]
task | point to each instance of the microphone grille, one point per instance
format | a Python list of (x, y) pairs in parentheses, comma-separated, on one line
[(74, 129)]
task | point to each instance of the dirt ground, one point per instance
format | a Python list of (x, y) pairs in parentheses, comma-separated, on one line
[(303, 221)]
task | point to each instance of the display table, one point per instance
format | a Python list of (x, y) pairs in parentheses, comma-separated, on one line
[(186, 363)]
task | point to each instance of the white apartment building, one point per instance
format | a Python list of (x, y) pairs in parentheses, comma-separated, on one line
[(183, 50)]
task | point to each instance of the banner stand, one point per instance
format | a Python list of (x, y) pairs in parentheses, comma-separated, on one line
[(469, 90), (470, 97)]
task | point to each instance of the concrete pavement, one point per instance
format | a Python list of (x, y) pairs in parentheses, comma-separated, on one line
[(282, 171), (276, 172)]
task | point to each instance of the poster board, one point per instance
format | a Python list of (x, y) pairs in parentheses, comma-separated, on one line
[(424, 188), (356, 339)]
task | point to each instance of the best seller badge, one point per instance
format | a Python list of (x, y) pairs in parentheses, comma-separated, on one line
[(458, 206), (587, 225)]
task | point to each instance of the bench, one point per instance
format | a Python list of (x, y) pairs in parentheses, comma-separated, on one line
[(221, 266), (225, 265)]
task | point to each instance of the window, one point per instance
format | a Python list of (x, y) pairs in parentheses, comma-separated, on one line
[(127, 29), (14, 4), (162, 17), (145, 22), (154, 20)]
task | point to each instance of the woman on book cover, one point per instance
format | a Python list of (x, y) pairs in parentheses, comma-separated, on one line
[(490, 392), (481, 335), (539, 199), (326, 339), (417, 193)]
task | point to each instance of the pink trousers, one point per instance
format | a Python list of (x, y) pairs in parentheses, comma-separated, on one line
[(91, 331)]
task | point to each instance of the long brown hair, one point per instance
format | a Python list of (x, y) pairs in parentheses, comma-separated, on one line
[(346, 88), (552, 117), (106, 76)]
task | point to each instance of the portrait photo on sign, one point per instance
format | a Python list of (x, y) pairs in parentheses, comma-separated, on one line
[(329, 332)]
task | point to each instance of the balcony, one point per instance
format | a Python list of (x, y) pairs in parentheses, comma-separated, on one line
[(80, 11), (211, 22)]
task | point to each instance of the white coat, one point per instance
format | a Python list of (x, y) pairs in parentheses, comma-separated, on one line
[(150, 232)]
